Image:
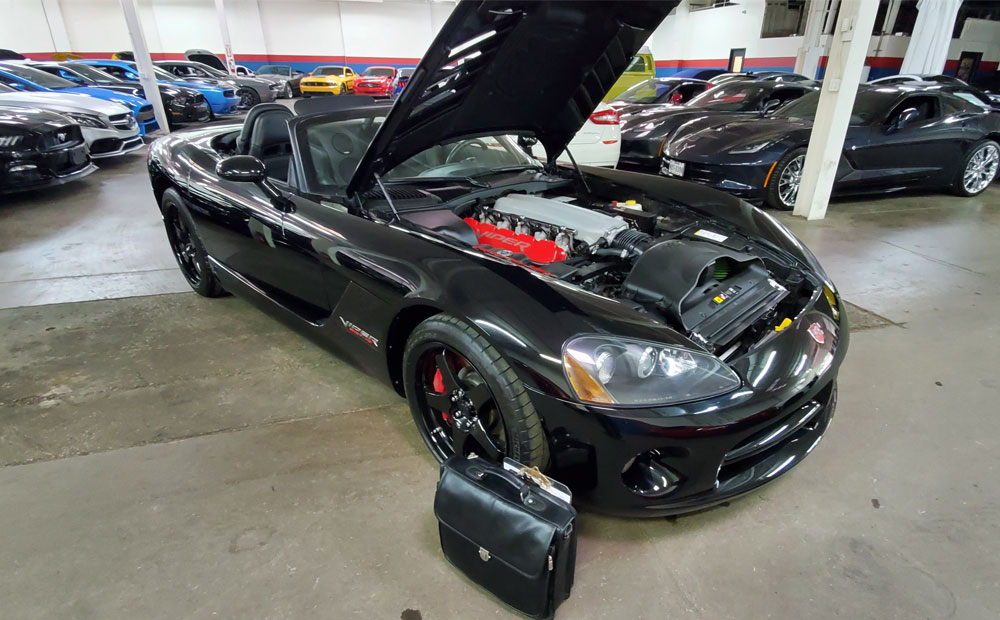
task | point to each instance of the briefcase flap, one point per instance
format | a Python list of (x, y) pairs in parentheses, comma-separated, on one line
[(491, 513)]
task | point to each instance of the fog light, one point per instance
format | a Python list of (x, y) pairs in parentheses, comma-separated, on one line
[(22, 168), (646, 476)]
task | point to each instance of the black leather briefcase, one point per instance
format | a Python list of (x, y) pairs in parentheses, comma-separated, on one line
[(510, 529)]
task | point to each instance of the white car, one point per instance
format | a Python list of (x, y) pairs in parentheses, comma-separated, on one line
[(108, 128), (598, 143)]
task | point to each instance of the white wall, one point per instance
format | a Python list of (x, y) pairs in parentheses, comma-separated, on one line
[(283, 30)]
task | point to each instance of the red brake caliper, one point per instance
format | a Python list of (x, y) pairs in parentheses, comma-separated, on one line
[(438, 384)]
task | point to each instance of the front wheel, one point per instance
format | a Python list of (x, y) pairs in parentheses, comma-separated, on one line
[(248, 98), (786, 176), (187, 248), (286, 93), (465, 398), (978, 170)]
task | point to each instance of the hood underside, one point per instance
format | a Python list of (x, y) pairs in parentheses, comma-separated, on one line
[(515, 66)]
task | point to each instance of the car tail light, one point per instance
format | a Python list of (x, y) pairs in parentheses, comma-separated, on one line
[(605, 117)]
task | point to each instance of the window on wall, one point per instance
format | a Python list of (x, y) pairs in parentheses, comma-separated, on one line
[(976, 9), (698, 5), (784, 18), (905, 18)]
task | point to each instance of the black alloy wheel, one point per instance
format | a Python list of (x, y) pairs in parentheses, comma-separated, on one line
[(187, 249), (466, 399), (248, 98)]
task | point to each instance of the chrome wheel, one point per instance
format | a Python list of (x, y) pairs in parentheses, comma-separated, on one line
[(287, 93), (981, 169), (788, 182)]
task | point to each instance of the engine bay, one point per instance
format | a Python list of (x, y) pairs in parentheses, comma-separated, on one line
[(722, 289)]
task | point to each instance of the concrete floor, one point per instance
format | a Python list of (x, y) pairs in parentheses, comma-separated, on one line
[(168, 456)]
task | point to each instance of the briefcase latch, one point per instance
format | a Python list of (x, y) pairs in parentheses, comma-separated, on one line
[(484, 555)]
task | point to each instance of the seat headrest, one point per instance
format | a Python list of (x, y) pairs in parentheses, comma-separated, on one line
[(275, 109)]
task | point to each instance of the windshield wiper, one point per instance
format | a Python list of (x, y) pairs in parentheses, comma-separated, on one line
[(506, 169), (469, 180)]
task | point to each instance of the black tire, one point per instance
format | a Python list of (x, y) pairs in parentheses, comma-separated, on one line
[(187, 248), (510, 413), (774, 189), (248, 97), (984, 148), (286, 92)]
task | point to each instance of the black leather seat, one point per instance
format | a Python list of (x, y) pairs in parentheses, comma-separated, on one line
[(265, 136)]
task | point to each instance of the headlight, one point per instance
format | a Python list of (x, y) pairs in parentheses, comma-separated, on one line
[(753, 147), (623, 371), (88, 120)]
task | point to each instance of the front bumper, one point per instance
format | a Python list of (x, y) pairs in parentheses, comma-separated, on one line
[(44, 169), (676, 459), (326, 89), (105, 143), (198, 112), (744, 181), (374, 91)]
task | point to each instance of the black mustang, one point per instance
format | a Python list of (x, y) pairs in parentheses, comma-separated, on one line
[(647, 126), (658, 358), (39, 148), (900, 136)]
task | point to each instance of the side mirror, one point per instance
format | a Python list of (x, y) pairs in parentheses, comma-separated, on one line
[(905, 118), (249, 169), (241, 169), (770, 106)]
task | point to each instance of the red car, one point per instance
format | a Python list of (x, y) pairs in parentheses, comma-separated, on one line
[(376, 81)]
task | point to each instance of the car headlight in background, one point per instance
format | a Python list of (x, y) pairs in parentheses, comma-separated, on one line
[(753, 147), (624, 371), (88, 120)]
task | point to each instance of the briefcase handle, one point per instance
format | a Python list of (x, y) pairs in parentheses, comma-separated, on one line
[(515, 481)]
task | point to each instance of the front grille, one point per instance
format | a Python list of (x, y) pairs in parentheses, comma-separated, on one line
[(122, 121), (61, 138), (229, 93), (145, 114), (105, 145)]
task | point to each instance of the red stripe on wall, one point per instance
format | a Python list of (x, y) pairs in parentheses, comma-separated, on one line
[(254, 58), (773, 61)]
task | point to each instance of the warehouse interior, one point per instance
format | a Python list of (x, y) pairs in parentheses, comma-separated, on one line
[(166, 455)]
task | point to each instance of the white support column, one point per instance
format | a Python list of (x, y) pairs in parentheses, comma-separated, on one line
[(840, 84), (807, 58), (143, 62), (227, 44), (57, 27)]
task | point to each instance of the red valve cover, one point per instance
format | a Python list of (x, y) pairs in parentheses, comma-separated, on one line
[(544, 251)]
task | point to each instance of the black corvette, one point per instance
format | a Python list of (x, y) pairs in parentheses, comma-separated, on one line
[(646, 126), (183, 105), (658, 359), (39, 148), (900, 136)]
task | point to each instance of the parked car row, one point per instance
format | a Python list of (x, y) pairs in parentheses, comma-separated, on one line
[(747, 134)]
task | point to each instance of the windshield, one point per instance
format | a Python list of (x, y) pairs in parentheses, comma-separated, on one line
[(6, 89), (329, 71), (379, 72), (38, 77), (647, 91), (333, 150), (869, 105), (91, 73), (735, 97), (275, 70), (212, 71)]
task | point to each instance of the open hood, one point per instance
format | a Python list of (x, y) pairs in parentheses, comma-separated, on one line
[(514, 66), (206, 57)]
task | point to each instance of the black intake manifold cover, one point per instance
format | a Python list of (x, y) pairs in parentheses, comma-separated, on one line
[(678, 276)]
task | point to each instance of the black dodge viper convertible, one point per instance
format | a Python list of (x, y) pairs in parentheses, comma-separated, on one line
[(910, 135), (658, 356)]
